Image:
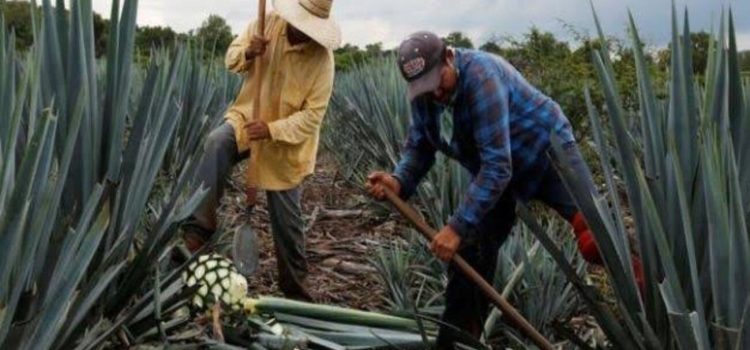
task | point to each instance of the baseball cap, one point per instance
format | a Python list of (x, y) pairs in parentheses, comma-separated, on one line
[(419, 58)]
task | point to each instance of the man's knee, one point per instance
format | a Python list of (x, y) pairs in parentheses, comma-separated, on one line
[(221, 139)]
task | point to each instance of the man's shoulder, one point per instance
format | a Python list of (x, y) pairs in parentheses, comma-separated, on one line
[(477, 64), (478, 56), (320, 55)]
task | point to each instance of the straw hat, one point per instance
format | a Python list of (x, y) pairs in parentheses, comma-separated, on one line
[(312, 17)]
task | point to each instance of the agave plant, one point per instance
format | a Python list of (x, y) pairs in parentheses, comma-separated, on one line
[(532, 281), (414, 279), (685, 172), (81, 152), (203, 90)]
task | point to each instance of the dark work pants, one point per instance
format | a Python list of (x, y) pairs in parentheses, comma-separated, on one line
[(466, 307), (220, 157)]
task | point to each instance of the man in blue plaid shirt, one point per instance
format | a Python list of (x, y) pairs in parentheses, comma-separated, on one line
[(502, 129)]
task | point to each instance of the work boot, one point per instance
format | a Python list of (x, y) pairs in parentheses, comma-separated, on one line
[(585, 239), (195, 237), (193, 242), (638, 272)]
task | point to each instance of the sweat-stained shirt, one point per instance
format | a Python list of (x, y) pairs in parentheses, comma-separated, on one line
[(502, 127), (297, 85)]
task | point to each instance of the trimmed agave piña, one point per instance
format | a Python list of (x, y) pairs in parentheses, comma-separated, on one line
[(80, 240), (686, 173), (216, 279)]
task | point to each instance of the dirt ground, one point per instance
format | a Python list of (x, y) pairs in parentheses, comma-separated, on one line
[(341, 231)]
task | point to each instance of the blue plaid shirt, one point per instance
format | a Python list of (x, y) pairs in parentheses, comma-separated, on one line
[(501, 132)]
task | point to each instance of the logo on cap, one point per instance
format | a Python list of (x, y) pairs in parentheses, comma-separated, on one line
[(414, 67)]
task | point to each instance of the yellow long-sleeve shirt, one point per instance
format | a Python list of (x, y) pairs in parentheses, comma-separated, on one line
[(297, 85)]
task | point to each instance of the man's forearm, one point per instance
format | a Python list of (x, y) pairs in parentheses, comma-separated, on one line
[(411, 169), (298, 127), (236, 58)]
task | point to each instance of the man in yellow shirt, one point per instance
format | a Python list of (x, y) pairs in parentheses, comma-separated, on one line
[(297, 82)]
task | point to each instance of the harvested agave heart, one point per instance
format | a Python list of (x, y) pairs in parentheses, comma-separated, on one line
[(218, 280)]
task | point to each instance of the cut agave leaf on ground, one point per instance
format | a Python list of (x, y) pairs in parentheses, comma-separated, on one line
[(311, 323), (316, 341), (282, 341), (271, 305), (373, 339)]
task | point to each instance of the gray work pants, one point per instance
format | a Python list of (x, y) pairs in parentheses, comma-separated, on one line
[(220, 156)]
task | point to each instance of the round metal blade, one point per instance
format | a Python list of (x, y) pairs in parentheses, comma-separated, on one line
[(245, 247)]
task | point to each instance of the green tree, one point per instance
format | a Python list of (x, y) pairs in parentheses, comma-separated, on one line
[(101, 34), (374, 50), (701, 42), (215, 34), (458, 39), (491, 47), (154, 37), (745, 61), (350, 56), (536, 50), (18, 19)]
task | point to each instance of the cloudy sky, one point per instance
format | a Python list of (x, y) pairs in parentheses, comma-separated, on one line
[(387, 21)]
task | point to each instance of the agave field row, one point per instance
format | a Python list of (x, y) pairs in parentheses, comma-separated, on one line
[(97, 158), (679, 168)]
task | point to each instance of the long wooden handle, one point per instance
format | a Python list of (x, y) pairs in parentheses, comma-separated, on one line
[(508, 310), (251, 193), (259, 60)]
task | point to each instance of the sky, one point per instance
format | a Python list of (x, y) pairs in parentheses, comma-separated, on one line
[(388, 21)]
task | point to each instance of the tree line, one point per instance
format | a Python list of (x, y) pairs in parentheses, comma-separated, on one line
[(555, 66), (214, 33), (216, 36)]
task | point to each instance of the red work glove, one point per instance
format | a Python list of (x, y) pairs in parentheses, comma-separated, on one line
[(589, 251)]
